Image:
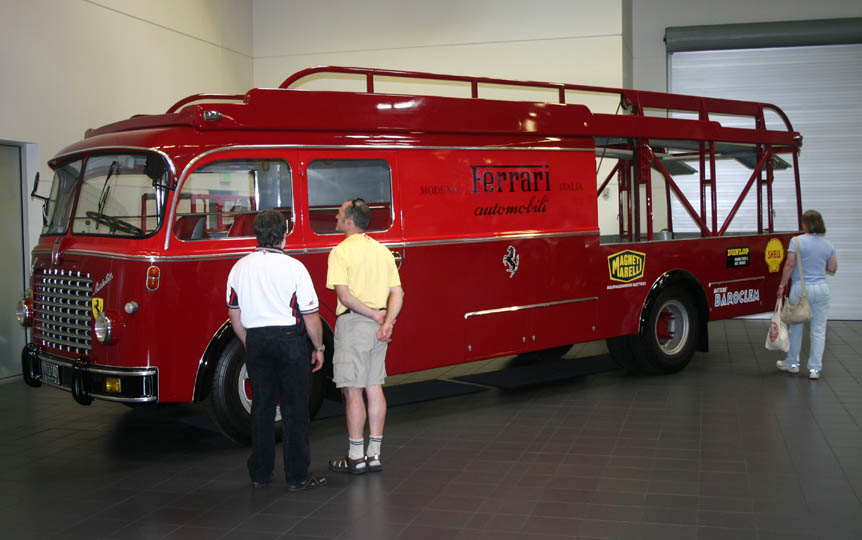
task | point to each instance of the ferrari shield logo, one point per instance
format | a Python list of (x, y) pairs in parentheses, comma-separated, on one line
[(98, 306)]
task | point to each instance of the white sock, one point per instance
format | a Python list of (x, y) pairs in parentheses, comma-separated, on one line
[(374, 443), (354, 450)]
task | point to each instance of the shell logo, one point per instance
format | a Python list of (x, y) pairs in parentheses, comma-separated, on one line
[(774, 254)]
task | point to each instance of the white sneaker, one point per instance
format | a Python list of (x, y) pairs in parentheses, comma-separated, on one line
[(813, 374), (789, 368)]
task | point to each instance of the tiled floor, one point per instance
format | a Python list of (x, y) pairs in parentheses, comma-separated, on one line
[(728, 448)]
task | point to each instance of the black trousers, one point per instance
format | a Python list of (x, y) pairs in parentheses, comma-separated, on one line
[(279, 366)]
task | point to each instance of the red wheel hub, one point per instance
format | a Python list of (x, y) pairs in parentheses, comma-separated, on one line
[(664, 327)]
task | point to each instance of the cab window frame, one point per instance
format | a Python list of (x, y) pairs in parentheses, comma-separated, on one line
[(214, 217), (325, 170)]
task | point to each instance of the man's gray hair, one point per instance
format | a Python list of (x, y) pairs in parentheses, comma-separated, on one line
[(359, 212)]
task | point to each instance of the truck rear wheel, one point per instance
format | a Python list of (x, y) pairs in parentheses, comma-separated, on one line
[(667, 341), (229, 401)]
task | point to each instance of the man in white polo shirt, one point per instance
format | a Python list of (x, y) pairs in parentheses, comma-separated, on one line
[(267, 294)]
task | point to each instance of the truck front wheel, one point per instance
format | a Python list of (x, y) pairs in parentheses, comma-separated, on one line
[(229, 401)]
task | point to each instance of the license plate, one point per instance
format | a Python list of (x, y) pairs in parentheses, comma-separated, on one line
[(50, 372)]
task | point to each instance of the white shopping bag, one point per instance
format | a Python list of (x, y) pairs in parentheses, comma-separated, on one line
[(778, 338)]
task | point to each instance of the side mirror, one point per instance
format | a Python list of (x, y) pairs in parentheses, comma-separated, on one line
[(33, 194), (155, 169), (45, 200)]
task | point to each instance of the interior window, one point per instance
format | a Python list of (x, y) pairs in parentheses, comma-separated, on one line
[(221, 199), (333, 181)]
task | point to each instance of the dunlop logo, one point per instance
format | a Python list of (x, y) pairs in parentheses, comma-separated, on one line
[(626, 265)]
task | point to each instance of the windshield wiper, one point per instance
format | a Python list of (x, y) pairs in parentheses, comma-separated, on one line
[(103, 196)]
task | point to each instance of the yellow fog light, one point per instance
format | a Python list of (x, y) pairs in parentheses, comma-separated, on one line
[(112, 384)]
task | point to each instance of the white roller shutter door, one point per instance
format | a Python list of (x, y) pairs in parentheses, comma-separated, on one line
[(820, 89)]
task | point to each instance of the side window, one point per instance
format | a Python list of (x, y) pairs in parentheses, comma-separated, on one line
[(333, 181), (221, 199)]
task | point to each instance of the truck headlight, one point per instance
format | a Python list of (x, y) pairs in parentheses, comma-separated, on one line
[(24, 312), (102, 327)]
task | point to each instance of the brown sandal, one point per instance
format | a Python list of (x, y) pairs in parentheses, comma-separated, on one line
[(373, 463), (344, 464)]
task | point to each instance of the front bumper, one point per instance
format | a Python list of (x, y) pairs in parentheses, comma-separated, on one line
[(89, 381)]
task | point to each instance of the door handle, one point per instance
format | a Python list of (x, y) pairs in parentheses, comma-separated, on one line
[(398, 257)]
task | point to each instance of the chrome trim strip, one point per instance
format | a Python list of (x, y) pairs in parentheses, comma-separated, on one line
[(165, 258), (124, 400), (741, 280), (105, 397), (735, 236), (134, 373), (325, 249), (500, 238), (529, 306), (98, 368)]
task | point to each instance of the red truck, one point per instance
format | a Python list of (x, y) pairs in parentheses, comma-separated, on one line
[(491, 208)]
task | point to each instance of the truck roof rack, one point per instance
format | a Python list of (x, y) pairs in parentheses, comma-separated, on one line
[(633, 101)]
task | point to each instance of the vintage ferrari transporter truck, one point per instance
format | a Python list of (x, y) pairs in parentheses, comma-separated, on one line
[(490, 207)]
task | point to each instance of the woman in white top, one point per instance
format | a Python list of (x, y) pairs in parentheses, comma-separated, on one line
[(818, 259)]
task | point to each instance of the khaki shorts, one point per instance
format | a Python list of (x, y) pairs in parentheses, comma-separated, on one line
[(360, 358)]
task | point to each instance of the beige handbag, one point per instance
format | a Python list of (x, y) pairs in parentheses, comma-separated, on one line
[(800, 311)]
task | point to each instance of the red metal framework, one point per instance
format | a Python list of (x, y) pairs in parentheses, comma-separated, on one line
[(636, 103)]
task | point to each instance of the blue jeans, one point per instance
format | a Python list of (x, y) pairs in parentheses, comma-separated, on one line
[(279, 366), (818, 297)]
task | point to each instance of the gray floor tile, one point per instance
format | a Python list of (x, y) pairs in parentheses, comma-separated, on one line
[(726, 449)]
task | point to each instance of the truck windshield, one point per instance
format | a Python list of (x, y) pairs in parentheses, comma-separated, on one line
[(59, 203), (117, 198)]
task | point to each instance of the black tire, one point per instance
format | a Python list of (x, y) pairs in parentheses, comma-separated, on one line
[(621, 352), (229, 400), (666, 343)]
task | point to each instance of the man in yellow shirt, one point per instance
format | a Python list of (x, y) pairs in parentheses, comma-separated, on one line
[(365, 278)]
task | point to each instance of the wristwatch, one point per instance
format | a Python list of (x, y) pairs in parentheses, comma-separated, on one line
[(321, 348)]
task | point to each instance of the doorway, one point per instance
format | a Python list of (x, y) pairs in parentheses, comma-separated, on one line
[(12, 335)]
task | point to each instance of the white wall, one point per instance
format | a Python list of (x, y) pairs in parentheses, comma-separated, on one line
[(571, 41), (552, 40), (69, 65), (652, 17)]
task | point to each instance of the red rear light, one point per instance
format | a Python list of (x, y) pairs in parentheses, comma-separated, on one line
[(154, 274)]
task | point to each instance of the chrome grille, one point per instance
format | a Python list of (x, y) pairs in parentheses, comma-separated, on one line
[(62, 310)]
